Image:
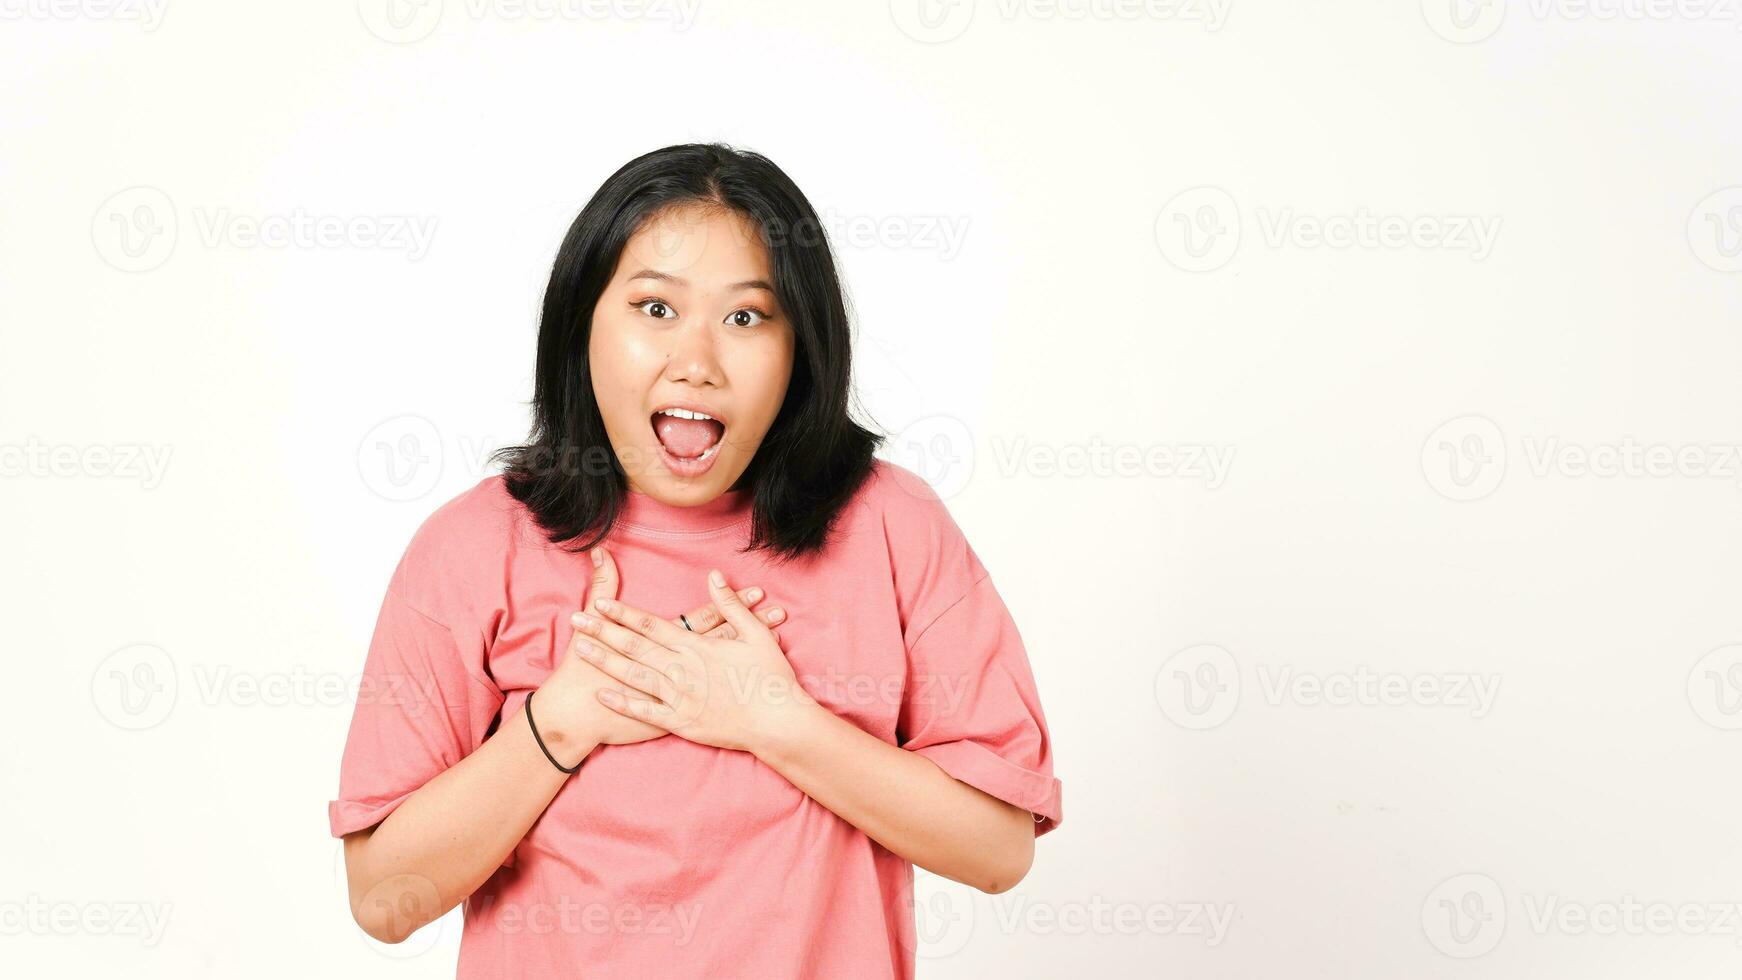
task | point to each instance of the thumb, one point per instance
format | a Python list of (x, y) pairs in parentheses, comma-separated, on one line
[(731, 607), (604, 582)]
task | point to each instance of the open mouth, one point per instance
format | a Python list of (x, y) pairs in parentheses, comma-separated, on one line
[(690, 437)]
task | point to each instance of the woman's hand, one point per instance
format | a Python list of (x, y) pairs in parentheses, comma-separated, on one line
[(733, 693), (568, 712)]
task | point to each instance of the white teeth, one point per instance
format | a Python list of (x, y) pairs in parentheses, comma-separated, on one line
[(684, 413)]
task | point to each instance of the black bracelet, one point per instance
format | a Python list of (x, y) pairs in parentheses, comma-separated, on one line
[(540, 741)]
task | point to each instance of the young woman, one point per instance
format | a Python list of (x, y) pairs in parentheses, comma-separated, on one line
[(572, 722)]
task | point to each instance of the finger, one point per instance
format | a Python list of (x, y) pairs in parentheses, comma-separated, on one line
[(770, 617), (705, 617), (735, 611), (601, 583), (638, 706), (631, 644), (605, 580), (656, 629), (631, 672)]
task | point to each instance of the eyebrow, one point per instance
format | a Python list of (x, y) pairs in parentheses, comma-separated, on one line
[(680, 281)]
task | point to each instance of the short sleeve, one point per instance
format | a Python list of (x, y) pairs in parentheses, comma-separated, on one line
[(423, 704), (971, 706)]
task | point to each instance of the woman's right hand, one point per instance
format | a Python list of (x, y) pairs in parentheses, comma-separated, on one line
[(567, 711)]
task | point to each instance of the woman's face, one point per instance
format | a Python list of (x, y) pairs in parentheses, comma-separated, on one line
[(689, 321)]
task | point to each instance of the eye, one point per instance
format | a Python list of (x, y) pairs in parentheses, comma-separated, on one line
[(660, 309), (736, 317)]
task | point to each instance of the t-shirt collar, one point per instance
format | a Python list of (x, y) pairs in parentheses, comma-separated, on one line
[(727, 510)]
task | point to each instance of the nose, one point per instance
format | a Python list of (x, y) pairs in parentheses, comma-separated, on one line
[(692, 358)]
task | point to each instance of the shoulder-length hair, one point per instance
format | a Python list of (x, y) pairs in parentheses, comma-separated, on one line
[(814, 456)]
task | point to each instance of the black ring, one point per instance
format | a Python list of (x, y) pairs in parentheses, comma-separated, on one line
[(685, 620), (540, 741)]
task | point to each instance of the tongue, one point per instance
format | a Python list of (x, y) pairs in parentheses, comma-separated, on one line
[(686, 438)]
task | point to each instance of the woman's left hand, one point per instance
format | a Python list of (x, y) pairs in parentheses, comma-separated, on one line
[(731, 693)]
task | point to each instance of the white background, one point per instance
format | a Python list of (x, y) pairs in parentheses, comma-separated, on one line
[(1451, 463)]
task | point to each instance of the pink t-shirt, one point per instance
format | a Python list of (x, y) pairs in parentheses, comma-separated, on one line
[(668, 858)]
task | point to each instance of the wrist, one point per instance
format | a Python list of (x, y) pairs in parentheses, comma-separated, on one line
[(791, 725), (566, 744)]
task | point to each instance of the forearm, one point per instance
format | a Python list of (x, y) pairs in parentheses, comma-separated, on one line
[(902, 800), (449, 836)]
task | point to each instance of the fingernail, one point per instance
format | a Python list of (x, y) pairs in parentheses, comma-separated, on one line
[(590, 651), (583, 620), (609, 697), (776, 616), (598, 558), (603, 605), (754, 594), (716, 578)]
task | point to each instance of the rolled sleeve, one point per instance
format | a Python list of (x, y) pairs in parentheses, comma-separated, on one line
[(422, 706), (971, 706)]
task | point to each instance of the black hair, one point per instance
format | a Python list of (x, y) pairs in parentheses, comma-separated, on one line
[(814, 457)]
